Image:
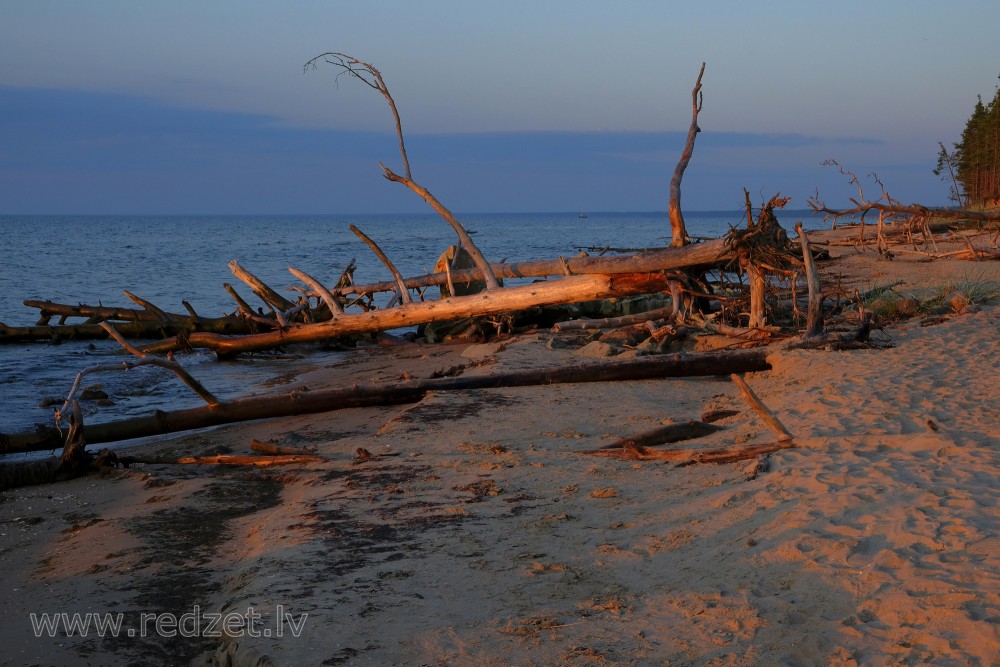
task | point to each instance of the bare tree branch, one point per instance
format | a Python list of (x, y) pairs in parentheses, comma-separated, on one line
[(679, 231)]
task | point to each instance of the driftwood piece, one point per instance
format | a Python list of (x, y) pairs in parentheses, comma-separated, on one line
[(708, 254), (404, 293), (73, 462), (58, 333), (496, 302), (665, 434), (321, 290), (271, 448), (691, 456), (371, 77), (614, 322), (178, 370), (257, 460), (149, 306), (260, 288), (678, 230), (814, 314), (758, 405), (410, 391)]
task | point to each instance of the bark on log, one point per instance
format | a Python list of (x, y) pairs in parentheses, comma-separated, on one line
[(548, 293), (411, 391)]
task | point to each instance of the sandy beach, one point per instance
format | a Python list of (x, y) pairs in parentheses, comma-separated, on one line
[(478, 534)]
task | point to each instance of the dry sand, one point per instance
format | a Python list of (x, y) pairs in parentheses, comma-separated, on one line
[(484, 538)]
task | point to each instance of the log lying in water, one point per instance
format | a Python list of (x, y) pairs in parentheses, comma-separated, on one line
[(411, 391)]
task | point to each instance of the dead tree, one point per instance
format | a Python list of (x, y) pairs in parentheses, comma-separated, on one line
[(679, 231), (760, 249), (370, 76)]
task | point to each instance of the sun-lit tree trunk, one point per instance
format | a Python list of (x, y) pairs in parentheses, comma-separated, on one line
[(677, 228)]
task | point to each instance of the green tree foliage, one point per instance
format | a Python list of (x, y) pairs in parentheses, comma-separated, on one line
[(976, 160)]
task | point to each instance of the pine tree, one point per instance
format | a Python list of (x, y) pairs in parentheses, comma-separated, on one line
[(976, 160)]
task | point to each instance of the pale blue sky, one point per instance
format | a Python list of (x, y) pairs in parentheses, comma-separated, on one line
[(196, 106)]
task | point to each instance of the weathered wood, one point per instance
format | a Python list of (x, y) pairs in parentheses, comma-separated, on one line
[(257, 460), (547, 293), (758, 405), (708, 254), (613, 322), (691, 456), (404, 293), (148, 306), (169, 364), (410, 391), (270, 448), (372, 77), (678, 230), (260, 288), (814, 314), (665, 434), (321, 290), (60, 332)]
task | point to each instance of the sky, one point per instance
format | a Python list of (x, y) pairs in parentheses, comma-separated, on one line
[(203, 107)]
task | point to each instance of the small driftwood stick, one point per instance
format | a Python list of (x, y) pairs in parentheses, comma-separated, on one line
[(758, 405), (160, 314), (321, 289), (223, 459), (403, 292), (665, 434), (814, 316), (270, 448), (261, 289), (243, 305), (689, 456), (613, 322), (169, 364)]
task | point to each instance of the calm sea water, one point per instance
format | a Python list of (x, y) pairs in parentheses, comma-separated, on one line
[(166, 259)]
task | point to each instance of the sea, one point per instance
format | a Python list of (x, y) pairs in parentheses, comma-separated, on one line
[(74, 259)]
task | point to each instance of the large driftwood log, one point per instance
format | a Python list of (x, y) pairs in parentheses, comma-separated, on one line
[(701, 255), (547, 293), (411, 391)]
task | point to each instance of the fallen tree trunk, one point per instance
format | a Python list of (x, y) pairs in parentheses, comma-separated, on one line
[(57, 332), (548, 293), (411, 391), (709, 253)]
